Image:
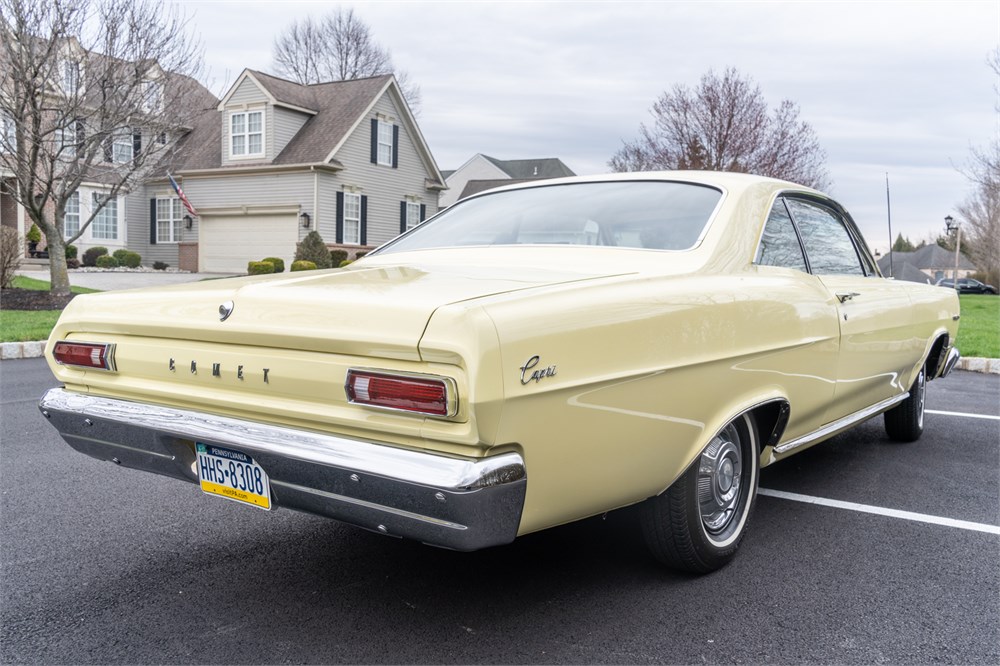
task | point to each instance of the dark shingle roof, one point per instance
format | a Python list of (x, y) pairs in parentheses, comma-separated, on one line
[(477, 186), (929, 257), (337, 105), (546, 167)]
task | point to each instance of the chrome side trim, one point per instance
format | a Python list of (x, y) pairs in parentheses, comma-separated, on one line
[(844, 423), (459, 503)]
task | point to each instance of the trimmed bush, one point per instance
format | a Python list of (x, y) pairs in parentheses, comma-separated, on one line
[(260, 268), (303, 265), (279, 264), (346, 262), (120, 255), (130, 259), (91, 255), (72, 263), (107, 261), (34, 234), (160, 266), (337, 257), (71, 251), (359, 255), (312, 248)]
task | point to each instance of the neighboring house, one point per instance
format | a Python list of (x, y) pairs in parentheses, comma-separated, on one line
[(275, 159), (486, 171), (928, 264), (265, 165)]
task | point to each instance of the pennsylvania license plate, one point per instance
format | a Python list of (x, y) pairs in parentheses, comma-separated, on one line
[(233, 475)]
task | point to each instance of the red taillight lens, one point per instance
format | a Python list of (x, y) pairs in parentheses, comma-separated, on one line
[(85, 354), (425, 395)]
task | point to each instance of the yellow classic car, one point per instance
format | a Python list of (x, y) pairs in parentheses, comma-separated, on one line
[(530, 356)]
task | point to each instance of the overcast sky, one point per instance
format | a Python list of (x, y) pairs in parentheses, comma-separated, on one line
[(890, 87)]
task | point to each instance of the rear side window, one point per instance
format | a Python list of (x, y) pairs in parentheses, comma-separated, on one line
[(779, 244), (827, 241)]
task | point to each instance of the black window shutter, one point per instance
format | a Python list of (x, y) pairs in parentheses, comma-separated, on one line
[(374, 140), (109, 154), (423, 212), (152, 221), (136, 144), (340, 217), (402, 216), (364, 219), (395, 146)]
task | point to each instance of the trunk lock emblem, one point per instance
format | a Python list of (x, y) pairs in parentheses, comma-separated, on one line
[(225, 310)]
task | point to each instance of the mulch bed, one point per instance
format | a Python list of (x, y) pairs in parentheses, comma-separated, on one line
[(32, 299)]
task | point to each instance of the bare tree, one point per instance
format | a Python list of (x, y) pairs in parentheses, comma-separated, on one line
[(724, 125), (338, 47), (980, 210), (92, 92)]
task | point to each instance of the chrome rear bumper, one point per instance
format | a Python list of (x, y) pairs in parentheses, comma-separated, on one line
[(458, 503)]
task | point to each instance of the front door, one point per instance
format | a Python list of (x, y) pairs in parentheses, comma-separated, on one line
[(874, 313)]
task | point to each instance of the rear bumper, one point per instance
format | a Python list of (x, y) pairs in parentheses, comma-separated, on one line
[(458, 503)]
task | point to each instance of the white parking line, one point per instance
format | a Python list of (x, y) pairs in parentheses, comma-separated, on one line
[(879, 511), (968, 416)]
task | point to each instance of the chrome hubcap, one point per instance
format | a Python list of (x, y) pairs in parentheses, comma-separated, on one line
[(720, 475)]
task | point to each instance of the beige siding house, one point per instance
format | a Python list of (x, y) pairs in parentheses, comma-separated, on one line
[(273, 160), (482, 172)]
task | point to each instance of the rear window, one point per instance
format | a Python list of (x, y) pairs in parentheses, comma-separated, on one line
[(635, 214)]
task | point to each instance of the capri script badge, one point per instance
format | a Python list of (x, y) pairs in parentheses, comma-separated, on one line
[(530, 374)]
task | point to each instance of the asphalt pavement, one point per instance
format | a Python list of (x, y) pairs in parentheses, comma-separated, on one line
[(107, 565)]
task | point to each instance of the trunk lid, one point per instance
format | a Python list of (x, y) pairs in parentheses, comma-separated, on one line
[(367, 310)]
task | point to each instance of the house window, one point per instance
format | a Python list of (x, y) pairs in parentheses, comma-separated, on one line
[(71, 216), (69, 139), (122, 148), (384, 143), (152, 97), (168, 220), (352, 218), (70, 77), (105, 224), (9, 130), (246, 134), (412, 215)]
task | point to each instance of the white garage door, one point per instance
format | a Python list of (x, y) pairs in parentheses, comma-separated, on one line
[(227, 243)]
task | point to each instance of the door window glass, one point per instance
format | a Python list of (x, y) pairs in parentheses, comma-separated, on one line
[(779, 244), (828, 244)]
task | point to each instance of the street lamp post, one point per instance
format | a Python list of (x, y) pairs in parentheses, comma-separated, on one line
[(951, 225)]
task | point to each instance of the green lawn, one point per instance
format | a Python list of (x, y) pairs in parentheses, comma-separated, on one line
[(28, 325), (979, 327)]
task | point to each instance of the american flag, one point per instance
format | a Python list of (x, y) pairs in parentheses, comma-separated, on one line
[(180, 195)]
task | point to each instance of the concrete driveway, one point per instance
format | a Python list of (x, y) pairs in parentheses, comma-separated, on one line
[(110, 280)]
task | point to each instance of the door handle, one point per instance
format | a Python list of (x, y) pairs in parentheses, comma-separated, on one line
[(845, 296)]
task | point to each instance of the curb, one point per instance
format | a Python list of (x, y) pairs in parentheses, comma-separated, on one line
[(15, 350)]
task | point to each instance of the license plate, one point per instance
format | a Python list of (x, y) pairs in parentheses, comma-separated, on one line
[(233, 475)]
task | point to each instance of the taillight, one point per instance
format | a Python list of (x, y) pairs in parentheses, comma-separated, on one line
[(410, 393), (99, 356)]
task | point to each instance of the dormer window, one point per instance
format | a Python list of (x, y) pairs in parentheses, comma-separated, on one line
[(70, 77), (246, 134)]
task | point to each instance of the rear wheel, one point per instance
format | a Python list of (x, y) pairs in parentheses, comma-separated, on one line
[(698, 523), (905, 421)]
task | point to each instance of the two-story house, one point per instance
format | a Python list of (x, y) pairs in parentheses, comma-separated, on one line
[(273, 160)]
